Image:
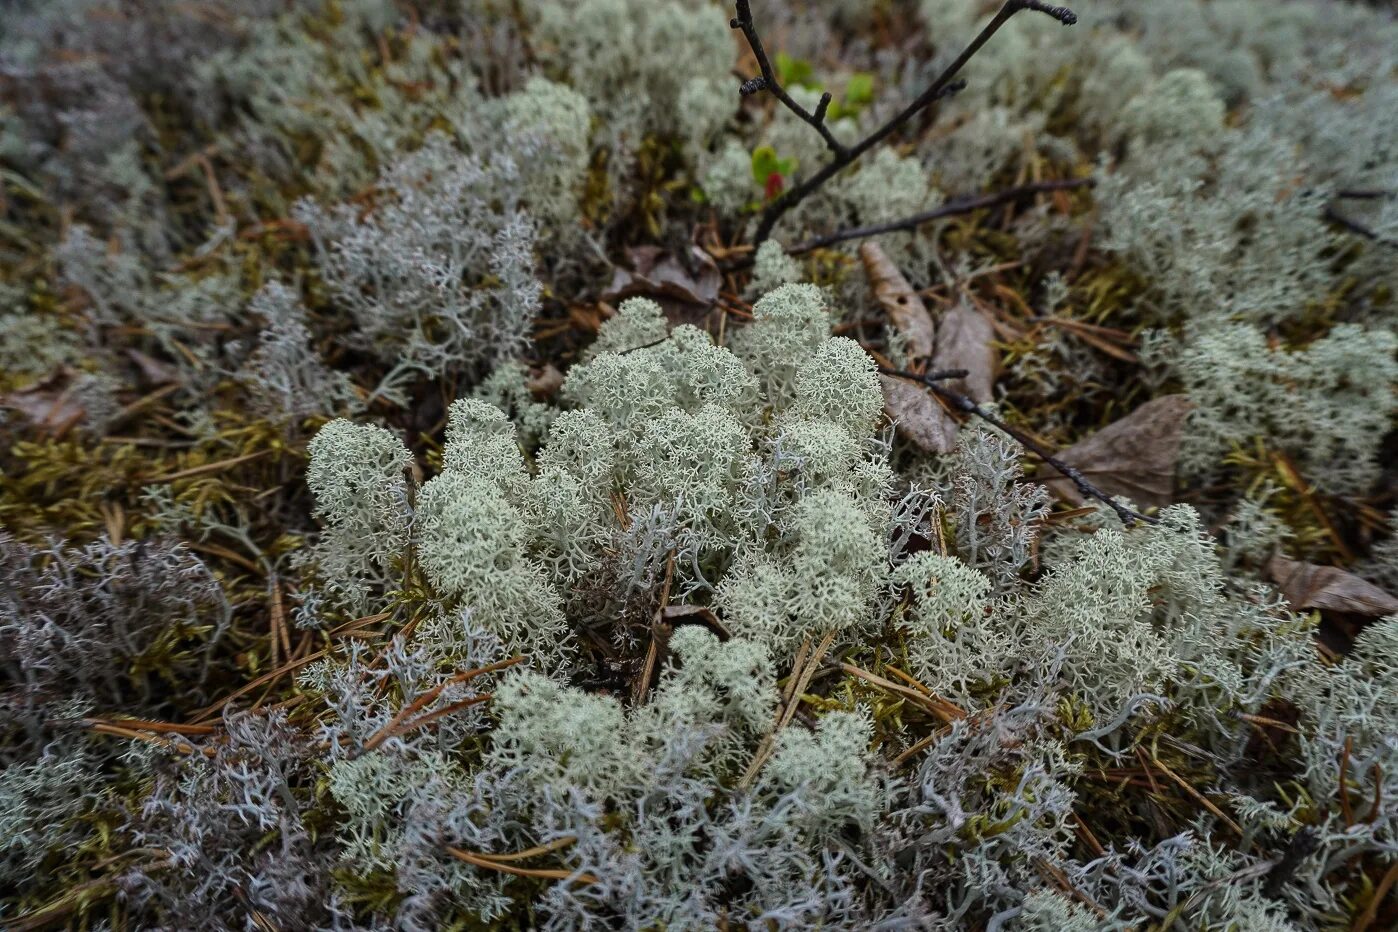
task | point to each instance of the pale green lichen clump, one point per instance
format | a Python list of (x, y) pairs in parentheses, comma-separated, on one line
[(426, 505)]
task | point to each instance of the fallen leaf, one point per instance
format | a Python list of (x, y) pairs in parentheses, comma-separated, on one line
[(964, 335), (152, 370), (1329, 588), (918, 415), (660, 275), (1134, 457), (50, 405), (544, 382), (963, 339), (905, 309)]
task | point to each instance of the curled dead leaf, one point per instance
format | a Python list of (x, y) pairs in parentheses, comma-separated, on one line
[(918, 415), (662, 276), (963, 341), (51, 406), (906, 311), (1133, 457), (1329, 588), (964, 338), (544, 382)]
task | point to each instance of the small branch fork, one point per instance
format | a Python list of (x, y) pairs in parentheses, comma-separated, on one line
[(768, 81), (943, 85), (966, 405)]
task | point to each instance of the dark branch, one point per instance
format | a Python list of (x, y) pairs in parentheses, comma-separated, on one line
[(1357, 228), (1364, 194), (944, 84), (1061, 13), (966, 405), (769, 80), (952, 208)]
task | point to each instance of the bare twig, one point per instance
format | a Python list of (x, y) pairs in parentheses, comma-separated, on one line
[(770, 82), (1353, 227), (966, 405), (952, 208), (944, 84)]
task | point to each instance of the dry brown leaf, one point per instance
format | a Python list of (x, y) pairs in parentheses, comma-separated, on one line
[(49, 405), (1329, 588), (544, 382), (964, 335), (963, 342), (905, 309), (920, 419), (1134, 457), (152, 370), (660, 275)]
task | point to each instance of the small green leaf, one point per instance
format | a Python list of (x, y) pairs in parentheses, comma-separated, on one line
[(769, 171), (765, 164), (860, 89), (792, 71)]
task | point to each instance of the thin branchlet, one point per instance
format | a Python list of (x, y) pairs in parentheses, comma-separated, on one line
[(770, 81), (966, 405), (1355, 227), (952, 208), (944, 84)]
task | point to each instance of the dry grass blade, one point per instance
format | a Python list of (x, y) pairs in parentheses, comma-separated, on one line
[(53, 914), (505, 868), (1058, 877), (209, 711), (144, 725), (433, 716), (207, 468), (1366, 919), (557, 844), (1105, 339), (934, 705), (1198, 797), (350, 627), (917, 747), (180, 747), (396, 724), (802, 670)]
